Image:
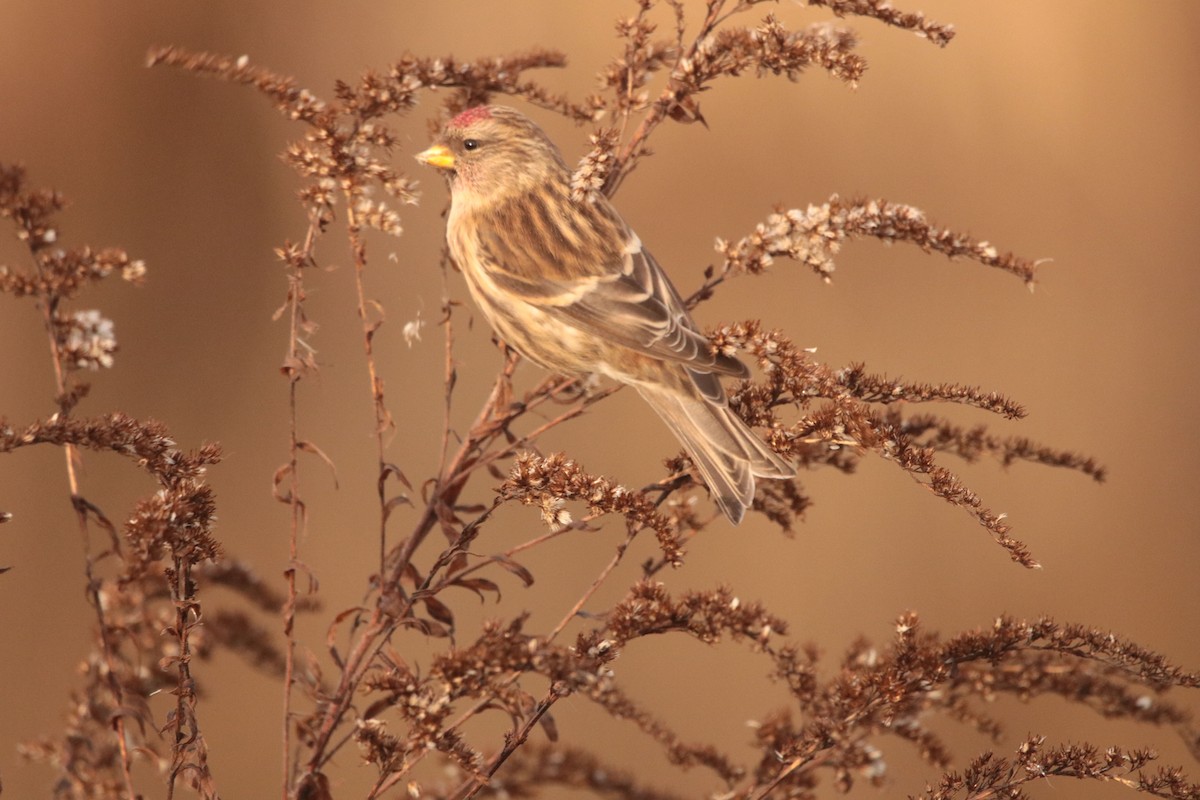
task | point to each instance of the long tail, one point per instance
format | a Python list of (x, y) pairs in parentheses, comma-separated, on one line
[(724, 449)]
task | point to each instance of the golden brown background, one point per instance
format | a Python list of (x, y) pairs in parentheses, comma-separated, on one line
[(1064, 130)]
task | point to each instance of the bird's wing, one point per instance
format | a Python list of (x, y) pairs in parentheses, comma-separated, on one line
[(628, 301)]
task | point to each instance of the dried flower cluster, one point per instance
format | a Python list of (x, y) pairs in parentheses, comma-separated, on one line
[(549, 482), (882, 10), (771, 48), (813, 236), (365, 693)]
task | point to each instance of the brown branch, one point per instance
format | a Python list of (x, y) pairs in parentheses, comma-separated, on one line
[(512, 741), (297, 365)]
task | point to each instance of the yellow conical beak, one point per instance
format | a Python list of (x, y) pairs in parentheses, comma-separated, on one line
[(437, 156)]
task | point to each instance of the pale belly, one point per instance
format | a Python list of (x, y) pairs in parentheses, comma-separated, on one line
[(533, 333)]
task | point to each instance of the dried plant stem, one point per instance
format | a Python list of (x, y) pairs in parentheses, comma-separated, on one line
[(295, 299), (627, 158), (795, 764), (449, 379), (540, 397), (553, 533), (380, 625), (103, 627), (48, 305), (370, 639), (515, 740), (185, 696), (454, 473), (386, 781), (512, 741), (383, 418), (599, 580)]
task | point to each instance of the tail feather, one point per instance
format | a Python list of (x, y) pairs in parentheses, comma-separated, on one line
[(726, 452)]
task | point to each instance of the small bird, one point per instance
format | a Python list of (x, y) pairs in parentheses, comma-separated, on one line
[(567, 284)]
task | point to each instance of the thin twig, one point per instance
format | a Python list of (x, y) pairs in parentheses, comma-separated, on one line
[(512, 741), (295, 299)]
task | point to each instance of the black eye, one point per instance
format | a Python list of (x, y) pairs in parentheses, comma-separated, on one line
[(470, 144)]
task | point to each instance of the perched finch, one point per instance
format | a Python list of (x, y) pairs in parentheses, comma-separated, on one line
[(568, 285)]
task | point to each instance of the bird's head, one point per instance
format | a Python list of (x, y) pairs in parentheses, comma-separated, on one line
[(492, 151)]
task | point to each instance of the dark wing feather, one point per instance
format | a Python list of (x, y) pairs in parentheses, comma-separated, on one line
[(626, 298)]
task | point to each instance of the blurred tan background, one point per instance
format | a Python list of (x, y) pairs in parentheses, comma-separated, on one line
[(1067, 131)]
